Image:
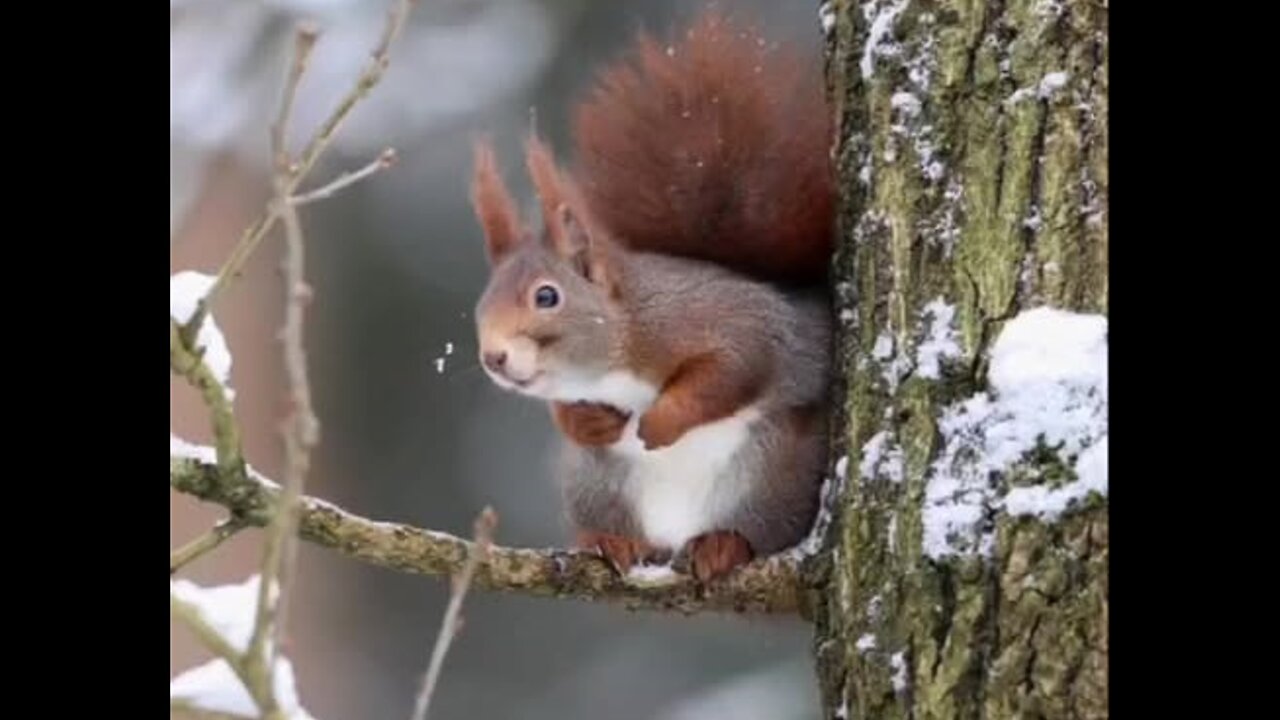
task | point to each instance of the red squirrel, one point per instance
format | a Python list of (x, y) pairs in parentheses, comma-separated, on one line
[(673, 306)]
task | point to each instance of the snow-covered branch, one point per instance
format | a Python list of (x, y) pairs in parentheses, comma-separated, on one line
[(769, 585)]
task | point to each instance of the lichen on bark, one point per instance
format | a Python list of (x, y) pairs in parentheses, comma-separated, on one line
[(972, 162)]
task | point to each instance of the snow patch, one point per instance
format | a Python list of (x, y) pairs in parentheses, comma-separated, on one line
[(1050, 84), (1045, 89), (1049, 9), (827, 15), (831, 487), (1048, 380), (652, 574), (230, 611), (894, 366), (899, 666), (942, 227), (881, 20), (881, 457), (185, 291), (866, 642), (1034, 220), (905, 102), (213, 686), (941, 343), (183, 449), (883, 348)]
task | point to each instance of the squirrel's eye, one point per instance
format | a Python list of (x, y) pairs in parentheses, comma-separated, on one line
[(546, 297)]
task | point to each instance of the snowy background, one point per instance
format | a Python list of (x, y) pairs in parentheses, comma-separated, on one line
[(412, 430)]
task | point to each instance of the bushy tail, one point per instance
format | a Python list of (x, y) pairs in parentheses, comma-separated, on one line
[(716, 147)]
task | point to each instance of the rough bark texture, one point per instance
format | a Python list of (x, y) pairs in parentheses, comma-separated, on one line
[(768, 585), (973, 159)]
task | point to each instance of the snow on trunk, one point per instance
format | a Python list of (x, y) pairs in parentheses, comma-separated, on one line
[(965, 571)]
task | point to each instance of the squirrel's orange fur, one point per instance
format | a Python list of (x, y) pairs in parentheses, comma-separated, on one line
[(715, 147), (695, 159)]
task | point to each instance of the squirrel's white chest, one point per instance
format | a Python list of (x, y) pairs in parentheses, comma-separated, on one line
[(680, 491), (689, 488)]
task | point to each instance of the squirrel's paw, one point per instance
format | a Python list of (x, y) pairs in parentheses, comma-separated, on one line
[(621, 552), (590, 424), (715, 554), (661, 427)]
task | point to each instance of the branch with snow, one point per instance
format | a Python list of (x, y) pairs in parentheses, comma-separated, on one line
[(768, 585), (223, 619), (248, 677), (191, 362)]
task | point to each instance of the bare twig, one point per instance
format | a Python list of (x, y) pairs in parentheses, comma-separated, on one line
[(768, 585), (184, 709), (300, 428), (304, 41), (319, 142), (485, 525), (203, 544), (384, 160)]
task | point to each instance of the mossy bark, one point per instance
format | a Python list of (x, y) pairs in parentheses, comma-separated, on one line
[(973, 163)]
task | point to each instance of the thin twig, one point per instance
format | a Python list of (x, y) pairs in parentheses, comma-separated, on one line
[(319, 142), (300, 426), (770, 585), (203, 544), (385, 160), (484, 528), (304, 41), (184, 709)]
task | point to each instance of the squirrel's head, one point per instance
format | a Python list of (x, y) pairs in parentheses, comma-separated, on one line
[(548, 319)]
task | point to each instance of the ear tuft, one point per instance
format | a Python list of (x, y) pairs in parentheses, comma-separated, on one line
[(493, 204)]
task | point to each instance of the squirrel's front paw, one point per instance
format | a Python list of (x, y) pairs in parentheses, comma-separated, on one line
[(661, 427), (621, 552), (590, 424), (718, 553)]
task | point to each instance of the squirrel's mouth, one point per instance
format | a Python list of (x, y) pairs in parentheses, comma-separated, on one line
[(517, 384), (526, 382)]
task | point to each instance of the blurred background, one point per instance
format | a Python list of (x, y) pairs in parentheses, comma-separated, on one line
[(412, 432)]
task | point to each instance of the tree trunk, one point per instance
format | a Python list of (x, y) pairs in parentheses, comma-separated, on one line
[(957, 581)]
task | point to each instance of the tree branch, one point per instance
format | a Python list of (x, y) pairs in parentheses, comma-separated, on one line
[(203, 544), (769, 585), (300, 427), (191, 366), (385, 159), (185, 709), (452, 622), (319, 142)]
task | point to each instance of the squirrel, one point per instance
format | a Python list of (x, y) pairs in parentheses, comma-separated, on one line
[(673, 309)]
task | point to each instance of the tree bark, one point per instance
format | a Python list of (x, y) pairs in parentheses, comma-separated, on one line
[(972, 155)]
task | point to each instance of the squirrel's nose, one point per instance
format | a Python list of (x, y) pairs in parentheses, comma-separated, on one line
[(495, 361)]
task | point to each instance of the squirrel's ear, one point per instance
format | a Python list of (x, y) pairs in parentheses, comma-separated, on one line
[(588, 253), (548, 187), (493, 204)]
